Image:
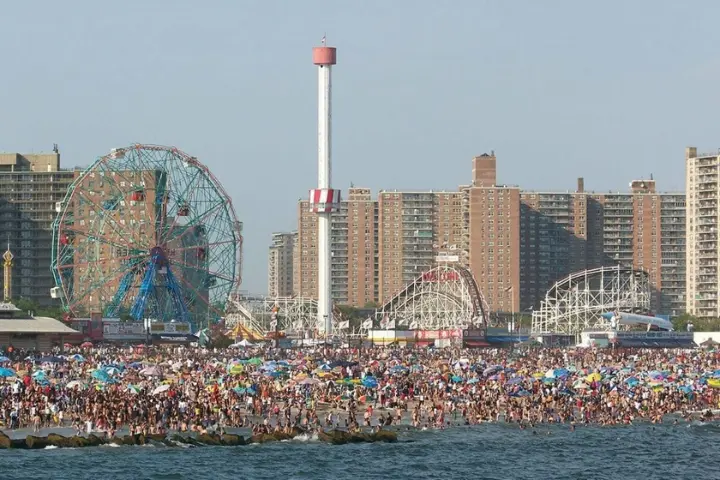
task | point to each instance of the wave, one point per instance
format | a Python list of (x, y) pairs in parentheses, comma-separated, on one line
[(306, 438)]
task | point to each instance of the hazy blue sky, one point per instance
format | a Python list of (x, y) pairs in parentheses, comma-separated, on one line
[(609, 90)]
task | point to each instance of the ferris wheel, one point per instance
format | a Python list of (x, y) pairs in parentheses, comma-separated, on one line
[(146, 232)]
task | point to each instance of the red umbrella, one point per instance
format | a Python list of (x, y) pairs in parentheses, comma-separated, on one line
[(87, 345)]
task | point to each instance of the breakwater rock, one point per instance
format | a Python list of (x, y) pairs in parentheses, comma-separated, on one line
[(335, 437)]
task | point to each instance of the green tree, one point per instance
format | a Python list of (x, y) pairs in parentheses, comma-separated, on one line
[(681, 322)]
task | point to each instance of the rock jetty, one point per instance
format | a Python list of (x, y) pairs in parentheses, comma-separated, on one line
[(335, 437)]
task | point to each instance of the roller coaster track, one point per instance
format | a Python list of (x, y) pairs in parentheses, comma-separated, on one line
[(450, 287)]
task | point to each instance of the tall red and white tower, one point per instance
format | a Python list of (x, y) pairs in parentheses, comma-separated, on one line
[(324, 200)]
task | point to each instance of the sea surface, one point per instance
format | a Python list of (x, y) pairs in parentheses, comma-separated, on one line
[(490, 451)]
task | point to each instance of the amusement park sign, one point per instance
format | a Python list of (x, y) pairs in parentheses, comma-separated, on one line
[(446, 276), (438, 334)]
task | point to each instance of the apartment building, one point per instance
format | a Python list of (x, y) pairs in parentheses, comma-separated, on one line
[(521, 242), (30, 187), (494, 235), (516, 242), (702, 222), (280, 264), (353, 240), (416, 231)]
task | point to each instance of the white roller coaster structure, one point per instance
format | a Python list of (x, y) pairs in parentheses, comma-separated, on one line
[(296, 316), (446, 297), (576, 303)]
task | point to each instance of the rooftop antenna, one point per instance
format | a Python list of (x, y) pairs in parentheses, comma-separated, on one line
[(55, 148)]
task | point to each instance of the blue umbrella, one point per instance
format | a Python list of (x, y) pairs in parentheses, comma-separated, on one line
[(101, 375), (521, 393), (77, 357), (370, 382), (52, 359), (4, 359), (7, 372)]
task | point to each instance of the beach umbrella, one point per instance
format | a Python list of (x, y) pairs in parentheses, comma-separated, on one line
[(521, 393), (370, 382), (101, 375), (7, 372), (714, 382), (76, 384), (150, 371), (632, 381), (134, 389), (52, 359), (4, 359), (161, 389)]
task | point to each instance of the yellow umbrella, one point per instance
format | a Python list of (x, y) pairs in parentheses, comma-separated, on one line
[(714, 382), (236, 369), (593, 377)]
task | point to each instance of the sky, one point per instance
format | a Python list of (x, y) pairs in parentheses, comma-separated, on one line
[(610, 91)]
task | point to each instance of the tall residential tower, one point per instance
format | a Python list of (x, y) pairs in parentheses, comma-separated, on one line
[(31, 186)]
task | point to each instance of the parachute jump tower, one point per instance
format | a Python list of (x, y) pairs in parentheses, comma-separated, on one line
[(324, 200)]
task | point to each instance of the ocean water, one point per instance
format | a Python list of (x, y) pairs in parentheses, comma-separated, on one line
[(481, 452)]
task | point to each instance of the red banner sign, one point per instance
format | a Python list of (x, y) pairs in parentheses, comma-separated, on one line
[(440, 276)]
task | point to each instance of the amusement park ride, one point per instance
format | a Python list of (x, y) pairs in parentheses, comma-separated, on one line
[(444, 298), (146, 232)]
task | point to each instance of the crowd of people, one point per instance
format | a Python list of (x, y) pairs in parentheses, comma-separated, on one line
[(155, 390)]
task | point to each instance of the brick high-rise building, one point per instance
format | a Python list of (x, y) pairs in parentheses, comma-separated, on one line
[(516, 242), (353, 241), (521, 242), (416, 230), (280, 264), (494, 235), (31, 185)]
